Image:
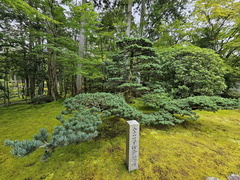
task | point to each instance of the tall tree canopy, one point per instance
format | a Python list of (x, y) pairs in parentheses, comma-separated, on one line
[(57, 47)]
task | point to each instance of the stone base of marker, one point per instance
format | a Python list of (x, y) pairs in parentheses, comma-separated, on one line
[(132, 145)]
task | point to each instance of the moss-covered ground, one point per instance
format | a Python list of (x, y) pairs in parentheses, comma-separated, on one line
[(194, 150)]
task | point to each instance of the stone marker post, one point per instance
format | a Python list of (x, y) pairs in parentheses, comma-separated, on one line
[(132, 145)]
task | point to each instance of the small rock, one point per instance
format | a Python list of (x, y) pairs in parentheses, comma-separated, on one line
[(212, 178), (234, 177)]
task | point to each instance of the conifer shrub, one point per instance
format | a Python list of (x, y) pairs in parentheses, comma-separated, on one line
[(84, 113), (168, 108), (233, 93), (212, 103), (81, 126), (180, 106), (80, 122), (112, 127), (106, 103), (81, 119), (40, 99)]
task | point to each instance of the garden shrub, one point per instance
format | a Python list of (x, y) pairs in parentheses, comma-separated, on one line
[(40, 99), (211, 103), (81, 126), (233, 93), (191, 71), (84, 114), (180, 106)]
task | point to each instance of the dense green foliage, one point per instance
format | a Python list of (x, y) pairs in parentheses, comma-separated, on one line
[(207, 103), (84, 113), (169, 108), (63, 47), (42, 99), (106, 103), (81, 126), (191, 71), (131, 67)]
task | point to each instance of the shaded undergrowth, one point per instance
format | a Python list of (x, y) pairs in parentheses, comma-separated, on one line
[(208, 147)]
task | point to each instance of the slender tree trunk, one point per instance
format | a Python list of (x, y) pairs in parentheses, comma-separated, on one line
[(32, 85), (79, 81), (73, 85), (27, 86), (141, 26), (41, 83), (41, 88), (66, 86), (60, 81), (18, 89), (52, 73), (5, 92), (23, 88), (129, 17), (52, 60), (143, 9), (81, 40), (32, 74), (129, 20)]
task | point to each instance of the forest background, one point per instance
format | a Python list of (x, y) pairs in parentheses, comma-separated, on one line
[(153, 61), (65, 47)]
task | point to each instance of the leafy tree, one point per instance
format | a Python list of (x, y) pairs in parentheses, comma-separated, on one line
[(219, 28), (173, 33), (163, 12), (191, 71), (22, 6), (84, 24)]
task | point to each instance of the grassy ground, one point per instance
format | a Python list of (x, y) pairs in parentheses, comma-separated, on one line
[(194, 150)]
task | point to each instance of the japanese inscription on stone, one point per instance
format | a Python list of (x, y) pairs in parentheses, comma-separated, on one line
[(132, 147)]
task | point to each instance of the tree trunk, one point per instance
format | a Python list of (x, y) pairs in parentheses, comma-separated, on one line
[(52, 83), (129, 17), (61, 83), (23, 89), (81, 41), (143, 9), (141, 26), (41, 88), (32, 85), (32, 74), (73, 85), (27, 86)]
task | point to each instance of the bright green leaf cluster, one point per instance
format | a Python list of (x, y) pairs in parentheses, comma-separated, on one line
[(191, 71)]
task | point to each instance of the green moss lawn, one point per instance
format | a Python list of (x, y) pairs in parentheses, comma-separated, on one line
[(194, 150)]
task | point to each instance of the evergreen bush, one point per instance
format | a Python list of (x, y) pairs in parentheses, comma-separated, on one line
[(191, 71), (40, 99), (84, 114), (211, 103), (81, 126), (233, 93), (176, 106)]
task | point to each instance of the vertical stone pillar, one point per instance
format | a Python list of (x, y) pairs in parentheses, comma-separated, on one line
[(132, 145)]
